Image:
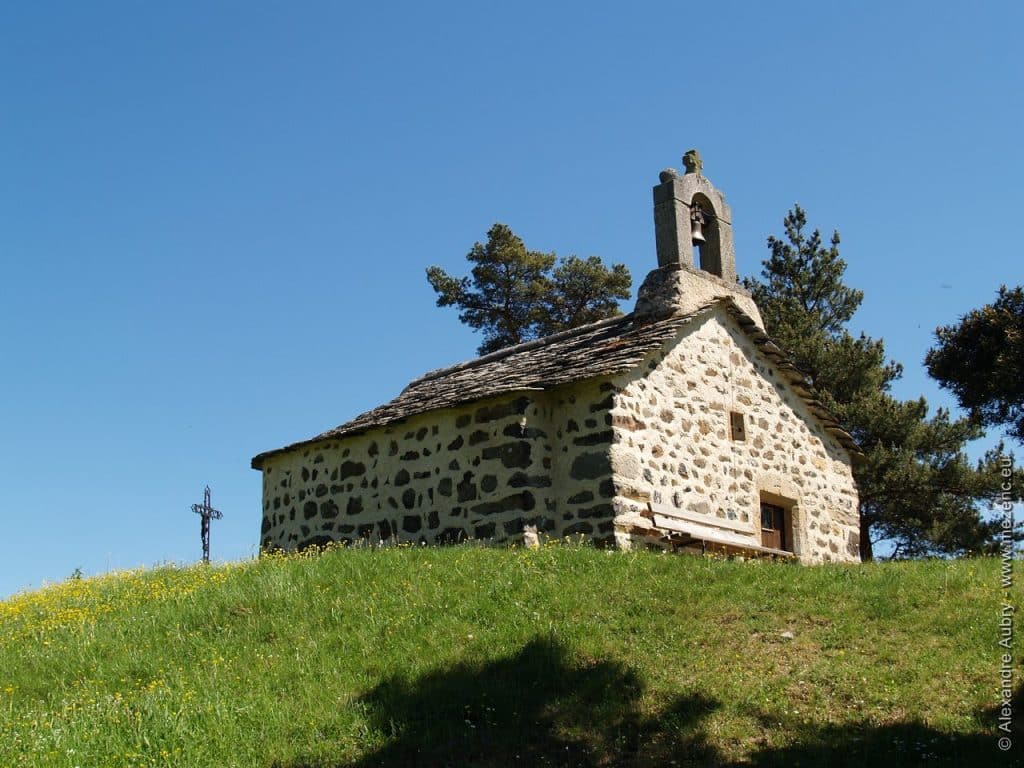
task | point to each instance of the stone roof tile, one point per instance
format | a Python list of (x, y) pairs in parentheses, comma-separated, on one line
[(600, 349)]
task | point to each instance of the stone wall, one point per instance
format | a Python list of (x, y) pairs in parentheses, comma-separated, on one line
[(673, 445), (481, 471), (585, 459)]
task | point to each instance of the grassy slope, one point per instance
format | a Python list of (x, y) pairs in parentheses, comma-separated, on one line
[(472, 656)]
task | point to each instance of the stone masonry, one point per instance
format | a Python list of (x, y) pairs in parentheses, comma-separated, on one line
[(672, 443), (675, 426), (482, 471)]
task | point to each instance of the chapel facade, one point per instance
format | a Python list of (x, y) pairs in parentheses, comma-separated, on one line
[(679, 425)]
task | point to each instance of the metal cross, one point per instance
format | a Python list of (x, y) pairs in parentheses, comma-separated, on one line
[(205, 512)]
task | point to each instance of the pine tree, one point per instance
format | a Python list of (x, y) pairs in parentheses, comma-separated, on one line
[(981, 360), (514, 294), (917, 488)]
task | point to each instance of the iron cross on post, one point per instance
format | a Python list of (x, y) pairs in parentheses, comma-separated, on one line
[(206, 512)]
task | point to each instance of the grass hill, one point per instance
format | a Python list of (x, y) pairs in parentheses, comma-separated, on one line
[(489, 657)]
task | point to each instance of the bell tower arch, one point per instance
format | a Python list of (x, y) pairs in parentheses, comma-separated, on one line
[(693, 236), (691, 217)]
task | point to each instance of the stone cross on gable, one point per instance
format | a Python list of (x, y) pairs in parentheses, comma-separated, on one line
[(206, 512)]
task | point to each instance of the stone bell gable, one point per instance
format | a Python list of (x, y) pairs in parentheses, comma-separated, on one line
[(680, 425)]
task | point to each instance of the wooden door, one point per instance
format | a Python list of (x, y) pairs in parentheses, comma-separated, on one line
[(773, 527)]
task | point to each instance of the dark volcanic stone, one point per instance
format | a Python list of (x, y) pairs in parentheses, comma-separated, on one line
[(352, 469), (412, 523), (488, 483), (384, 526), (514, 527), (444, 486), (517, 430), (582, 497), (433, 520), (463, 420), (594, 438), (329, 509), (598, 510), (401, 477), (455, 444), (467, 488), (501, 410), (523, 480), (517, 501), (355, 505), (590, 466), (485, 531), (409, 498), (477, 437), (309, 510), (410, 456), (543, 523), (511, 454)]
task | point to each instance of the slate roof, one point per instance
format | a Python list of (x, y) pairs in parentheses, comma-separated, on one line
[(600, 349)]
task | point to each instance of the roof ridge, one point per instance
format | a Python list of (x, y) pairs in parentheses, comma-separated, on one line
[(523, 346)]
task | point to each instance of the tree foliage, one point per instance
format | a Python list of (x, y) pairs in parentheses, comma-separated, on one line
[(981, 360), (918, 490), (513, 294)]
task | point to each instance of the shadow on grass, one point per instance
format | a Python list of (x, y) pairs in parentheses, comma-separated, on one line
[(542, 708), (536, 708), (894, 745)]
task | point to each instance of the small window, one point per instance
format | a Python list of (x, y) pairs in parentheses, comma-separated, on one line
[(775, 527), (737, 426)]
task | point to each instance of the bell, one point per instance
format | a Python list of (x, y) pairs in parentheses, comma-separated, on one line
[(696, 224)]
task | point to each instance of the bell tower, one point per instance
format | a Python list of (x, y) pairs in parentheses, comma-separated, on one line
[(692, 221), (693, 237)]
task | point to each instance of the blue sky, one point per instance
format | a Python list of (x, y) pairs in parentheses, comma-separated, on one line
[(215, 217)]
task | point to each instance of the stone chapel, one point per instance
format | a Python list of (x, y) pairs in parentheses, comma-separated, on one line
[(679, 425)]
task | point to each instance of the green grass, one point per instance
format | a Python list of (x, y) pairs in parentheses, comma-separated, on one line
[(490, 657)]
